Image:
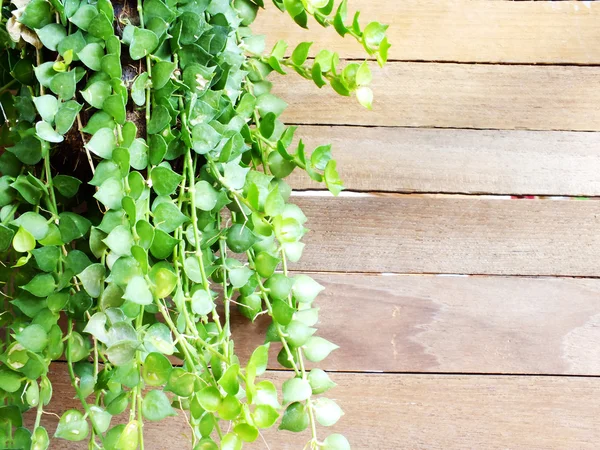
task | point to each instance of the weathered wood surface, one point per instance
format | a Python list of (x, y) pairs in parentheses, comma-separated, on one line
[(459, 161), (386, 412), (452, 324), (461, 30), (451, 234), (457, 96)]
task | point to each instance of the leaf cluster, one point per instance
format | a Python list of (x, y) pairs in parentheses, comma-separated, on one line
[(173, 212)]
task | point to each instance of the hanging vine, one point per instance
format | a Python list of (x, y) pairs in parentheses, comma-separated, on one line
[(142, 198)]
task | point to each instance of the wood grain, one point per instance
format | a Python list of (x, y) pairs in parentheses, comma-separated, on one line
[(456, 96), (452, 324), (386, 412), (461, 30), (450, 234), (459, 161)]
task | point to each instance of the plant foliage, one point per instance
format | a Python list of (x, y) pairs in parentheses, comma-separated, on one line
[(141, 200)]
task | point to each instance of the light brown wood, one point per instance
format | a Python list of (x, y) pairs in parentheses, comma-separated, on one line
[(459, 161), (460, 30), (452, 324), (450, 234), (386, 412), (456, 96)]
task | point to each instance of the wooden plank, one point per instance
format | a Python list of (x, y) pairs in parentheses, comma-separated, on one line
[(459, 161), (431, 234), (461, 30), (452, 325), (456, 96), (385, 412)]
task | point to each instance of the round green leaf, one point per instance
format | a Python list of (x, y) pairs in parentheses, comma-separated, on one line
[(156, 406), (156, 369), (72, 426), (336, 442), (296, 390), (295, 418)]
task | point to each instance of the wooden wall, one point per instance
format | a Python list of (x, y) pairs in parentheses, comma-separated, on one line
[(466, 319)]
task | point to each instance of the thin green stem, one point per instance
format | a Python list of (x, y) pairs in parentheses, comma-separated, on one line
[(75, 382)]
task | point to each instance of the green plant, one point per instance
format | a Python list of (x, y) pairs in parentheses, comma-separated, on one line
[(143, 150)]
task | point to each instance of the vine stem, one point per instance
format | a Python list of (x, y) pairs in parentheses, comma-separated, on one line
[(189, 169), (74, 382), (311, 414)]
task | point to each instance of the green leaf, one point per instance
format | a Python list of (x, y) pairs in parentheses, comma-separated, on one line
[(122, 352), (229, 380), (162, 244), (265, 264), (205, 196), (33, 338), (84, 16), (101, 26), (51, 35), (279, 286), (156, 369), (138, 291), (23, 241), (66, 115), (161, 74), (158, 339), (95, 94), (66, 185), (164, 281), (72, 426), (209, 398), (102, 143), (34, 223), (168, 217), (138, 152), (120, 240), (41, 285), (37, 14), (165, 181), (300, 53), (269, 103), (327, 412), (138, 89), (40, 439), (114, 105), (142, 44), (101, 418), (296, 390), (180, 382), (45, 131), (72, 226), (111, 193), (332, 179), (336, 442), (159, 120), (317, 349), (156, 406), (47, 106), (246, 432), (320, 381), (240, 238), (305, 289), (28, 150), (265, 416), (47, 258), (259, 359), (202, 303), (373, 35), (10, 382), (92, 278), (91, 56), (295, 418), (63, 85), (204, 138), (364, 95)]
